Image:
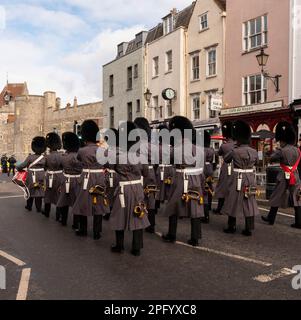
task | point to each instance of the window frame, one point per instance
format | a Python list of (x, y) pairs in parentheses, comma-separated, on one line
[(136, 71), (156, 68), (195, 69), (130, 111), (169, 62), (111, 86), (247, 93), (112, 117), (195, 97), (208, 64), (247, 34), (201, 22), (130, 78)]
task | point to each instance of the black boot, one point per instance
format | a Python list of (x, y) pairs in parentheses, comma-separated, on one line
[(97, 226), (271, 218), (38, 203), (249, 225), (171, 237), (83, 226), (220, 206), (137, 243), (297, 224), (63, 212), (29, 204), (231, 226), (75, 225), (119, 247), (152, 221), (47, 209), (206, 219), (195, 232), (58, 216)]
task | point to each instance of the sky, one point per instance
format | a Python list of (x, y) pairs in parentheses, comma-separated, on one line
[(61, 45)]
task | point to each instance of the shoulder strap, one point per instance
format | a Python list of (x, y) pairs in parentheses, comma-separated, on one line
[(36, 161)]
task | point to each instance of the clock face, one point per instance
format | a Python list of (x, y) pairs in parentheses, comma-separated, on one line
[(170, 94), (7, 97)]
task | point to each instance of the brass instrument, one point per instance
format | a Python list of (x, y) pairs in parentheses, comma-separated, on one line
[(151, 189), (251, 191), (192, 195), (99, 191), (38, 185), (140, 210), (208, 189), (168, 181)]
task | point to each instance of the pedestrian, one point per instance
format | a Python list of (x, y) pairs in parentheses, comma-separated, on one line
[(54, 173), (288, 189), (150, 183), (209, 154), (72, 170), (221, 190), (241, 198), (129, 212), (4, 163), (35, 164), (12, 165), (186, 195), (92, 199)]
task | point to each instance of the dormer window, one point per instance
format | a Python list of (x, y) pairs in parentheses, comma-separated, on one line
[(120, 50), (168, 24)]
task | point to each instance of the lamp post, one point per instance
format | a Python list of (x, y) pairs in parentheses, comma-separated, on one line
[(147, 96), (262, 60)]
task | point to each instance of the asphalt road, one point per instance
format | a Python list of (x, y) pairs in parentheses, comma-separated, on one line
[(61, 266)]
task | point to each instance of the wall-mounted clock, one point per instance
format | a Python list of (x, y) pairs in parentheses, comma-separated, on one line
[(168, 94)]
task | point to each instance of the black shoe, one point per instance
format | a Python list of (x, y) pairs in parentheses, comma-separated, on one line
[(230, 230), (97, 236), (106, 217), (74, 227), (80, 233), (295, 226), (39, 210), (150, 230), (205, 220), (168, 238), (217, 212), (267, 220), (28, 209), (136, 253), (247, 233), (193, 243), (117, 249)]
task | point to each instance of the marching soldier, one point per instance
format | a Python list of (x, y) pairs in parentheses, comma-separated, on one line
[(72, 169), (287, 192), (12, 165), (186, 196), (241, 198), (54, 173), (208, 173), (226, 169), (129, 208), (35, 165), (92, 199)]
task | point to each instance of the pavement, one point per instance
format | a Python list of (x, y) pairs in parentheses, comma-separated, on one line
[(45, 261)]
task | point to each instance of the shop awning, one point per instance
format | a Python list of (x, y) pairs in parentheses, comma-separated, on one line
[(263, 135)]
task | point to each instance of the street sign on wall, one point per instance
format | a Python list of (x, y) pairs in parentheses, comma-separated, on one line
[(216, 102)]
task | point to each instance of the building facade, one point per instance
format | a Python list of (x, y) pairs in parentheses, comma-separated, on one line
[(25, 116)]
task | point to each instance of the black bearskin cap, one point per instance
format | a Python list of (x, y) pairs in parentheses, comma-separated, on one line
[(207, 139), (126, 127), (89, 130), (143, 124), (53, 141), (285, 132), (227, 128), (71, 142), (113, 130), (38, 145), (180, 123), (242, 132)]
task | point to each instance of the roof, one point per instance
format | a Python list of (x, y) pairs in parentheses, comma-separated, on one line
[(155, 33), (14, 89)]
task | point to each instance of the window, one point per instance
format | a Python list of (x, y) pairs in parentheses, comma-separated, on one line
[(130, 111), (169, 109), (168, 24), (130, 78), (111, 93), (196, 103), (195, 66), (138, 106), (156, 107), (112, 119), (254, 90), (120, 50), (155, 66), (204, 21), (255, 33), (211, 59), (212, 113), (169, 61), (136, 72)]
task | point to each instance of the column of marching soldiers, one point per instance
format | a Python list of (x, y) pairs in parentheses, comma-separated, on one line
[(129, 195)]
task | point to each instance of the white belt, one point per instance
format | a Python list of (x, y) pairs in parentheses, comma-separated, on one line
[(165, 165), (34, 180), (208, 163), (239, 177), (189, 172), (111, 177), (37, 170), (244, 171), (89, 171), (51, 174), (162, 167), (123, 184), (69, 177), (54, 172), (150, 167)]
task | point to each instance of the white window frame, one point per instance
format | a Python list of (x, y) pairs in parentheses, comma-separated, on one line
[(193, 98), (168, 24), (213, 49), (156, 69), (169, 62), (247, 92), (261, 34), (203, 19), (194, 68)]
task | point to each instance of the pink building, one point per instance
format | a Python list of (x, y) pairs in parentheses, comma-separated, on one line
[(249, 95)]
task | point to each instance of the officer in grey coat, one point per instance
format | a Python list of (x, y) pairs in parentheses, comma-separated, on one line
[(70, 185), (129, 212), (226, 169), (287, 192), (54, 173), (92, 199), (241, 198), (186, 196), (35, 164)]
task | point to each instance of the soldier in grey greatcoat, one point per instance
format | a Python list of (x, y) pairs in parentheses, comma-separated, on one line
[(92, 199), (287, 192), (241, 198), (70, 186), (226, 169), (186, 196), (129, 212), (35, 164), (54, 173)]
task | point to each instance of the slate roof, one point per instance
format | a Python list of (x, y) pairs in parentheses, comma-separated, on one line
[(14, 89)]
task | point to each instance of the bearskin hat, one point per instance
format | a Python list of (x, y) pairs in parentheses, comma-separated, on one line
[(89, 130), (71, 142), (285, 132), (143, 124), (126, 128), (242, 132), (181, 123), (38, 145), (207, 139), (53, 141), (227, 128), (115, 131)]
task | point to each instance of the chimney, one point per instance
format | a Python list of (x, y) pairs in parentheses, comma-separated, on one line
[(75, 104), (174, 11), (57, 104)]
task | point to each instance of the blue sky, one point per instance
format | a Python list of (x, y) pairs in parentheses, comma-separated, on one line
[(61, 45)]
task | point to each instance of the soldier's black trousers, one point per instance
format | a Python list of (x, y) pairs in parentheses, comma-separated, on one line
[(47, 210), (13, 170), (274, 211), (38, 203), (220, 205), (64, 215), (195, 228), (152, 220), (97, 224), (250, 223), (137, 243)]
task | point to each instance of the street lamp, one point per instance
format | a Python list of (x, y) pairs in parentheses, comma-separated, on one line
[(148, 95), (262, 60)]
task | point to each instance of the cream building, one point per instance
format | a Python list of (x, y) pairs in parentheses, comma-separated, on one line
[(124, 83)]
